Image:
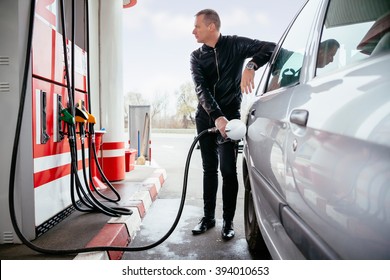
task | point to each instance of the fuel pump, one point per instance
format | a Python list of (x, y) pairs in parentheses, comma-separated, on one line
[(78, 115), (81, 117)]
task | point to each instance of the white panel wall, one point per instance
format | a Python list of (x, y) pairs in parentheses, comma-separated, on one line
[(14, 17)]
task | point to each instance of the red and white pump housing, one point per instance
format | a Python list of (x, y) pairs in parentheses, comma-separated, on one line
[(42, 192)]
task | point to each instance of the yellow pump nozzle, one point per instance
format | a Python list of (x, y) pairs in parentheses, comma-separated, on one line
[(79, 119), (80, 113), (91, 118)]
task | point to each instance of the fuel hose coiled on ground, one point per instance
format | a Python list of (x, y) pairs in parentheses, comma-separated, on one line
[(11, 196)]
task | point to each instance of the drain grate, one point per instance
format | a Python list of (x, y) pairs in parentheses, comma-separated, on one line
[(55, 220)]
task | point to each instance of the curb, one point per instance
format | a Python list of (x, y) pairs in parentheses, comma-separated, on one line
[(122, 230)]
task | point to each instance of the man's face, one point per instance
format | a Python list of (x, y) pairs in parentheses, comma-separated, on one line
[(201, 31), (326, 57)]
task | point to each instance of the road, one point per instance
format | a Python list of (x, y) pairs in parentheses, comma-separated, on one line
[(170, 152)]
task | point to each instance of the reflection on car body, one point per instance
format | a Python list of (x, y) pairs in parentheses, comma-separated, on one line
[(316, 157)]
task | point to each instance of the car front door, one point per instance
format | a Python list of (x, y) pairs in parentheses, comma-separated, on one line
[(268, 123)]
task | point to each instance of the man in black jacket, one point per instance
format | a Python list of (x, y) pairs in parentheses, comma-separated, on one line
[(217, 71)]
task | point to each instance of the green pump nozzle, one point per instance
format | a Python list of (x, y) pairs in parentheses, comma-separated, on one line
[(67, 117)]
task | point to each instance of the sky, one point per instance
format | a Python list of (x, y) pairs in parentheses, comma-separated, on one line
[(158, 37)]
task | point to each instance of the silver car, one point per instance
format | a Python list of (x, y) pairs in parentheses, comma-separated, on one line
[(316, 157)]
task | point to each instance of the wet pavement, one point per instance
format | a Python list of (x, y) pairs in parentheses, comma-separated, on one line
[(182, 244), (79, 230)]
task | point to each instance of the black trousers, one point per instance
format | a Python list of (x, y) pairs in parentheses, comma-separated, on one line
[(217, 151)]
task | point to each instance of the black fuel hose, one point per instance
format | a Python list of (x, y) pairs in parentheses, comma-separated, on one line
[(11, 196), (92, 149), (88, 200), (91, 131), (115, 248)]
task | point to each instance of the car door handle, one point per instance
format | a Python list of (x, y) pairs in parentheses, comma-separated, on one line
[(299, 117), (253, 112)]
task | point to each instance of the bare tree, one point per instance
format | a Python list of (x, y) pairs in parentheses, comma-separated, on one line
[(159, 105), (186, 104), (167, 110)]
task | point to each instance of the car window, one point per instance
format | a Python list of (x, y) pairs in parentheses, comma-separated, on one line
[(353, 32), (286, 69)]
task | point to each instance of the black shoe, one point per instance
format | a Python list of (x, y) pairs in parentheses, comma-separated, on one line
[(227, 230), (203, 225)]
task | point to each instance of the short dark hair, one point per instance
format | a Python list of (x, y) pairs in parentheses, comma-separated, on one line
[(328, 44), (210, 16)]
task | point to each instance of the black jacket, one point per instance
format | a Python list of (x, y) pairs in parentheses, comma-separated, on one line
[(217, 72)]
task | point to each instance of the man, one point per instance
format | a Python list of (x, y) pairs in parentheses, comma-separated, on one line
[(287, 67), (326, 52), (216, 69)]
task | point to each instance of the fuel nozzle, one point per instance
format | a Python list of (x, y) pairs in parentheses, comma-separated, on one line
[(235, 129), (212, 130), (91, 118), (81, 116), (66, 116), (84, 114)]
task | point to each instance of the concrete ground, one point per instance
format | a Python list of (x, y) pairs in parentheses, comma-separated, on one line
[(80, 230)]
